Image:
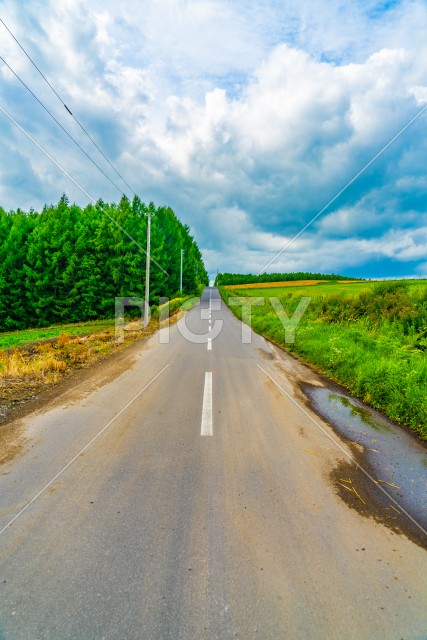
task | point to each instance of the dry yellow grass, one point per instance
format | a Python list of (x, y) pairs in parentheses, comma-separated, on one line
[(63, 340), (29, 370), (45, 362), (99, 337), (48, 360), (16, 364)]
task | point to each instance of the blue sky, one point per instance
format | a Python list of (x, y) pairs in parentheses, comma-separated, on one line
[(246, 118)]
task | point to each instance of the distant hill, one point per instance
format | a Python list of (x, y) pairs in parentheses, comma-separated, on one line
[(224, 279)]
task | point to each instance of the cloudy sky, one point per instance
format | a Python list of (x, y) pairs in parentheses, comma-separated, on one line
[(246, 117)]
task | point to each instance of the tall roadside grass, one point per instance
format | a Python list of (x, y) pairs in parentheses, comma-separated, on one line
[(375, 344), (40, 357), (19, 339), (29, 337), (45, 362)]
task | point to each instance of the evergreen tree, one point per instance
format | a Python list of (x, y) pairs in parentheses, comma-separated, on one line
[(68, 264)]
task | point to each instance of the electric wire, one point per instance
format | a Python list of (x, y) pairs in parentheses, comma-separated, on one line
[(345, 187), (65, 172), (60, 125), (69, 110)]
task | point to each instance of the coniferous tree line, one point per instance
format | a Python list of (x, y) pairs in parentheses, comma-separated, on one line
[(224, 279), (67, 264)]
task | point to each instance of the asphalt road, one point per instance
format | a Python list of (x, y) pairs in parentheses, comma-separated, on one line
[(183, 500)]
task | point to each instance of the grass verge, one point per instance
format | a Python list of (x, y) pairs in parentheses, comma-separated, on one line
[(374, 342), (36, 359)]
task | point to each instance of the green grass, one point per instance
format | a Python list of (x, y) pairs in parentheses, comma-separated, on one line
[(24, 338), (12, 339), (372, 340), (322, 289)]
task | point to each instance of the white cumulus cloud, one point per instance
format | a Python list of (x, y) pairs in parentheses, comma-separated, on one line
[(246, 119)]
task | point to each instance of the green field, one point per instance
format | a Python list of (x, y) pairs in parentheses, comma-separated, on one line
[(13, 339), (26, 337), (323, 289), (370, 337)]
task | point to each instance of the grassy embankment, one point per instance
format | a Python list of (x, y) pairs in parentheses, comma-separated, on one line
[(34, 359), (369, 337)]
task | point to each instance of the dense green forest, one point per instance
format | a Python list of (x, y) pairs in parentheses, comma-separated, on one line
[(224, 279), (67, 264)]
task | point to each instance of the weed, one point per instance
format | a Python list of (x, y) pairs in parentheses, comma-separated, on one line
[(374, 343), (63, 340)]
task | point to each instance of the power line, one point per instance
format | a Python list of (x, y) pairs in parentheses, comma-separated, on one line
[(345, 187), (65, 172), (69, 110), (60, 125)]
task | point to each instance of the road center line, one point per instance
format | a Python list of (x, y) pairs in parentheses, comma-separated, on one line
[(59, 474), (206, 427), (209, 344)]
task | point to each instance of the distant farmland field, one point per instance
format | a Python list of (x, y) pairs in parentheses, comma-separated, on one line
[(286, 283), (317, 287)]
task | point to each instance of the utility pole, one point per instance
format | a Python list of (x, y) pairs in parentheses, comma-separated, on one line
[(147, 271), (180, 277)]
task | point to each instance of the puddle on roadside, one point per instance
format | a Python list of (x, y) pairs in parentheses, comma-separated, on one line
[(391, 454)]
